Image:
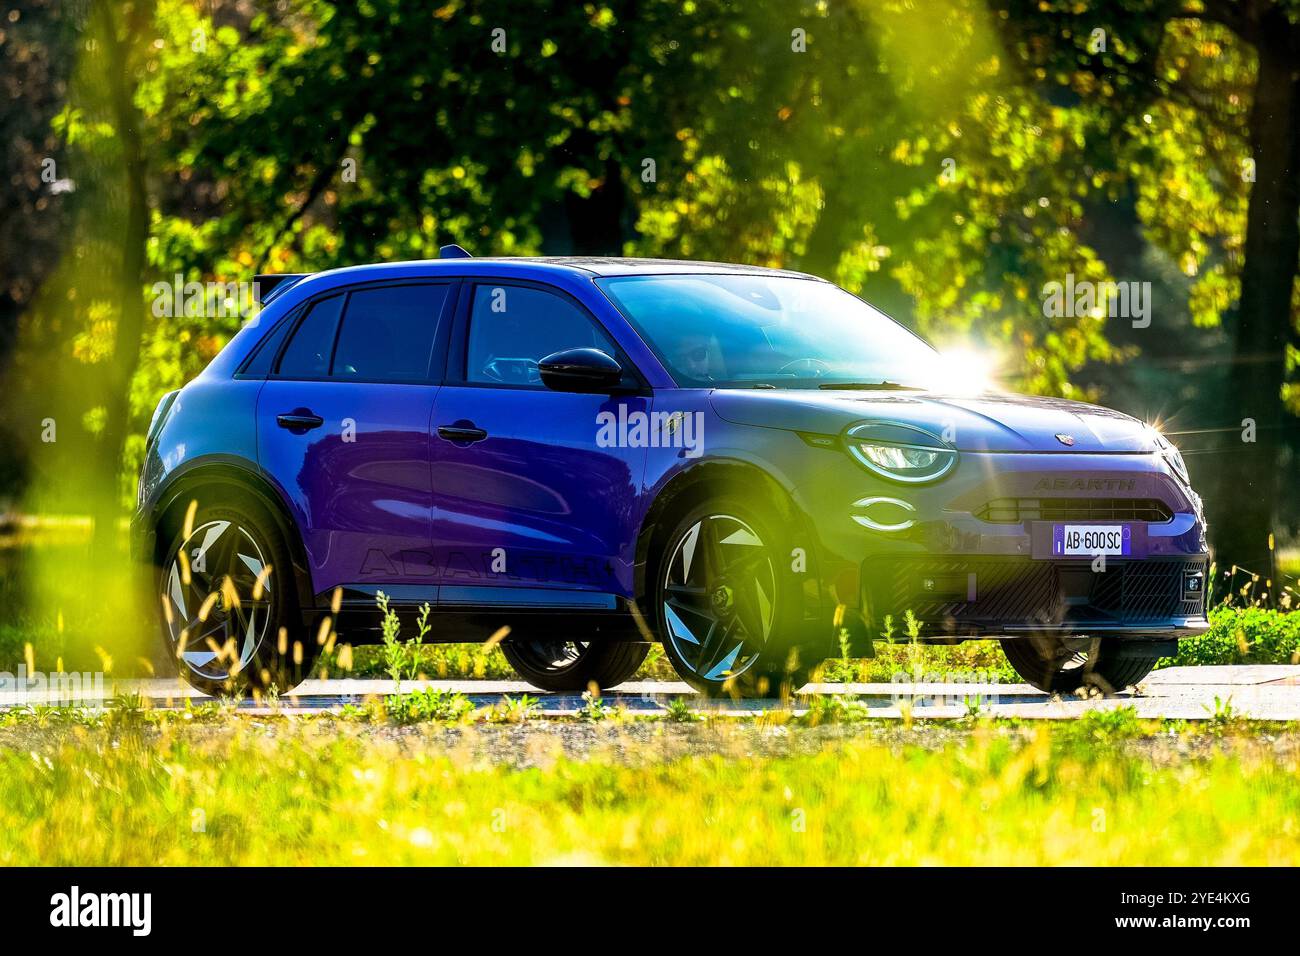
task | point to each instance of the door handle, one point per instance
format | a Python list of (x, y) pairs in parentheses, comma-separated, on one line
[(299, 420), (461, 433)]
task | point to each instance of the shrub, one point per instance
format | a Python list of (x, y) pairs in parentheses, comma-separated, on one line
[(429, 704), (1251, 635)]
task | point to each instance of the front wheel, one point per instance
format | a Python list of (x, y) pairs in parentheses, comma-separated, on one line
[(1062, 665), (727, 606)]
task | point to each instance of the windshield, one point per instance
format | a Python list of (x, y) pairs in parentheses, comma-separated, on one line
[(778, 331)]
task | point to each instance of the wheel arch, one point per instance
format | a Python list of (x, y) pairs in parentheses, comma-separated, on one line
[(704, 480), (221, 480)]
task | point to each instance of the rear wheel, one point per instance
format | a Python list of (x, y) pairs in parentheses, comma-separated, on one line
[(230, 611), (728, 608), (570, 666), (1064, 664)]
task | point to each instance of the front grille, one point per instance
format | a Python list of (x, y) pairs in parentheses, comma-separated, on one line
[(1017, 510), (988, 591)]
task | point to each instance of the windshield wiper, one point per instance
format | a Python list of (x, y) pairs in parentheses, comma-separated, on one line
[(874, 386)]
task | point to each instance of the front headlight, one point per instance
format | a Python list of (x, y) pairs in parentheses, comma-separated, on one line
[(1169, 451), (901, 452)]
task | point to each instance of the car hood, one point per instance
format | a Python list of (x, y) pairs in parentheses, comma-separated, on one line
[(993, 422)]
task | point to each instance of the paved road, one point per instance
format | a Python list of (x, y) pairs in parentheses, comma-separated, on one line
[(1265, 692)]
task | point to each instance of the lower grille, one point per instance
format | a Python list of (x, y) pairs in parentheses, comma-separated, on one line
[(991, 591), (1016, 510)]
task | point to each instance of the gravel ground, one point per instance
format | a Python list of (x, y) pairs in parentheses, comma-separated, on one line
[(541, 742)]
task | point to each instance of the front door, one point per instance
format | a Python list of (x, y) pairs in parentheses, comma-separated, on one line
[(343, 428), (534, 503)]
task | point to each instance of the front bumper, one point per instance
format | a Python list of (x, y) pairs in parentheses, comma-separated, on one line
[(975, 554), (998, 595)]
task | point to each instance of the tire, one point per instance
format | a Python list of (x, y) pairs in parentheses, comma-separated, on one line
[(249, 638), (1063, 665), (573, 666), (727, 605)]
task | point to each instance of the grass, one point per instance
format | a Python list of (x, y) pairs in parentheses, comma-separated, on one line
[(973, 660), (230, 790), (1250, 635)]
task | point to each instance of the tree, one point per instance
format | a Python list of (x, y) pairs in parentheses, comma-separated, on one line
[(1254, 147), (80, 337), (929, 176), (36, 50), (125, 30)]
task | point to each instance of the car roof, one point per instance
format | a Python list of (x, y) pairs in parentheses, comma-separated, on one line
[(616, 266), (586, 265)]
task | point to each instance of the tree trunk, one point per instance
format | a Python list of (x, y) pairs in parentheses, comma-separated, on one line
[(121, 368), (1241, 502), (596, 221), (826, 239)]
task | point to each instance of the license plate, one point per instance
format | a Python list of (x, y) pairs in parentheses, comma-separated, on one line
[(1090, 540)]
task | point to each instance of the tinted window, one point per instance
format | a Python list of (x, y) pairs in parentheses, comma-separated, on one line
[(308, 354), (264, 354), (388, 333), (511, 328)]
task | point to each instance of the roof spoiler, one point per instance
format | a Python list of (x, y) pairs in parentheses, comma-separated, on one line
[(267, 287)]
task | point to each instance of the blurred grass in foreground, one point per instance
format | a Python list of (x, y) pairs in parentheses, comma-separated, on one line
[(280, 791)]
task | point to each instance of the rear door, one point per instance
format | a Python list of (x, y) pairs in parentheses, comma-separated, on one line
[(343, 428), (531, 509)]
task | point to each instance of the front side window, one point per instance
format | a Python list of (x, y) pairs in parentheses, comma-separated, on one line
[(512, 328), (780, 331)]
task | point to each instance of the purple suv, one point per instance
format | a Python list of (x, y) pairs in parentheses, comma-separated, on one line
[(752, 467)]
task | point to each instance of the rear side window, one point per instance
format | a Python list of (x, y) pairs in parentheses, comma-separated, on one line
[(308, 353), (260, 364), (388, 333)]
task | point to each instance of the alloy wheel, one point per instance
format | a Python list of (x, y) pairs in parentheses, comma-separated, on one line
[(217, 599), (719, 597)]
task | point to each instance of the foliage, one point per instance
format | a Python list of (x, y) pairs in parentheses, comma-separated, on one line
[(678, 710), (1107, 726), (834, 709), (948, 182), (395, 657), (513, 710), (1252, 635), (333, 793), (425, 705), (593, 707)]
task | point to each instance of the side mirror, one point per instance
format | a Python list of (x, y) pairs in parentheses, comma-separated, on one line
[(580, 370)]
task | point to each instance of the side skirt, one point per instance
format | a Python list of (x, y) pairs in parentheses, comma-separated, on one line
[(462, 614)]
